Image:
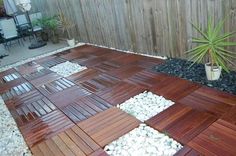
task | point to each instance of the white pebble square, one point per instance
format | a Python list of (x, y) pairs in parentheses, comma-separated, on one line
[(67, 68), (143, 141), (145, 105)]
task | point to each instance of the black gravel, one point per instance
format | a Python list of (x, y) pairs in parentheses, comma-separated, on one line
[(181, 68)]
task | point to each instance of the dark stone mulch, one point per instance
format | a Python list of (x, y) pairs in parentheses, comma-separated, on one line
[(181, 68)]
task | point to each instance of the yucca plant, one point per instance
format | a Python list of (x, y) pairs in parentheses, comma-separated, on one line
[(212, 44)]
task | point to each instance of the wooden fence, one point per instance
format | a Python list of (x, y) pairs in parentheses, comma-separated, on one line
[(155, 27)]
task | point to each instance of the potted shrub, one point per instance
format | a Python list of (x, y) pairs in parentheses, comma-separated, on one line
[(43, 24), (52, 25), (212, 46), (66, 26)]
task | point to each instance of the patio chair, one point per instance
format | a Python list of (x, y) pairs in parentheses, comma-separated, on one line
[(9, 32), (22, 24)]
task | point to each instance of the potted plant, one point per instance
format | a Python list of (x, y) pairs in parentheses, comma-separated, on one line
[(52, 25), (66, 26), (43, 24), (211, 45)]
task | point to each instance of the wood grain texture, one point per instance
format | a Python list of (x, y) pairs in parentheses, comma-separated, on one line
[(181, 122), (218, 139), (85, 107), (187, 151), (209, 100), (72, 142), (45, 127), (120, 93), (108, 125)]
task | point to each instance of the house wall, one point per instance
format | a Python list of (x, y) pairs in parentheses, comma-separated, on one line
[(155, 27)]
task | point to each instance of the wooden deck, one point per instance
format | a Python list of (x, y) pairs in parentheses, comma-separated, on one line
[(76, 115)]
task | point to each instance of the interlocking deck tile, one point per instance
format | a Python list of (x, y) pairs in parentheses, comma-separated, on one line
[(210, 100), (85, 107), (16, 91), (230, 116), (146, 78), (126, 72), (107, 66), (181, 122), (36, 74), (218, 139), (28, 68), (83, 75), (148, 62), (120, 93), (108, 125), (187, 151), (45, 79), (128, 59), (99, 82), (174, 88), (9, 79), (72, 142), (50, 61), (99, 152), (30, 111), (45, 127)]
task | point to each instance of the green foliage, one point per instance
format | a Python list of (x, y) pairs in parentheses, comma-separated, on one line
[(50, 23), (213, 44)]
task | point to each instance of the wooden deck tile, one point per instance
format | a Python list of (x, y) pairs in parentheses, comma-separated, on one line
[(108, 125), (30, 111), (107, 66), (28, 68), (230, 116), (174, 88), (45, 127), (187, 151), (36, 74), (181, 122), (128, 59), (9, 79), (45, 79), (210, 100), (72, 142), (16, 91), (218, 139), (120, 93), (94, 61), (83, 75), (85, 107), (148, 62), (99, 82), (126, 72), (146, 78), (63, 98), (50, 61), (99, 152)]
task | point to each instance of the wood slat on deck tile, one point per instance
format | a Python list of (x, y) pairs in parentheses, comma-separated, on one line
[(37, 74), (83, 75), (73, 141), (148, 62), (65, 97), (107, 66), (187, 151), (99, 152), (181, 122), (85, 107), (94, 61), (99, 82), (230, 116), (16, 91), (147, 79), (218, 139), (55, 86), (50, 61), (210, 100), (120, 93), (125, 72), (28, 68), (45, 127), (174, 88), (32, 110), (108, 125), (45, 79)]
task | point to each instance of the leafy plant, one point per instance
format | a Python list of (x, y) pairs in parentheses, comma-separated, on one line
[(212, 44)]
